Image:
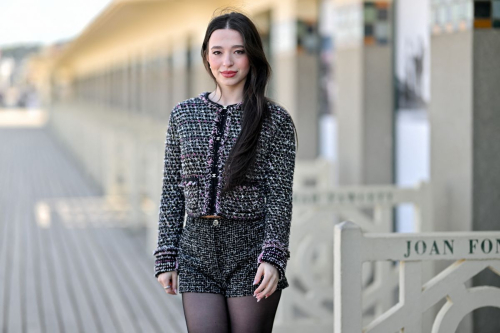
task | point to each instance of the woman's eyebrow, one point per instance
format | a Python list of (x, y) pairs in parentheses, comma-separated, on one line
[(220, 47)]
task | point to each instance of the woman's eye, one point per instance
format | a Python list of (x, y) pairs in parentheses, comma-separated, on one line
[(237, 51)]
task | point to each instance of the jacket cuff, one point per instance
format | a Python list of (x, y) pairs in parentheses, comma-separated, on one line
[(165, 264), (276, 257), (166, 260)]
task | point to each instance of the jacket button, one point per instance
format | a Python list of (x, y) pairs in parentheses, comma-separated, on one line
[(216, 222), (213, 175)]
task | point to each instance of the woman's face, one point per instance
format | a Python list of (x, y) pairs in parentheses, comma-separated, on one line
[(227, 57)]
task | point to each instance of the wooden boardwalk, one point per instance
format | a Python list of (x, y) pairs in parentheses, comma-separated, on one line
[(92, 275)]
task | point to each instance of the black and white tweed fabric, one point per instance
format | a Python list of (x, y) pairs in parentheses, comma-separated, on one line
[(220, 258), (190, 152)]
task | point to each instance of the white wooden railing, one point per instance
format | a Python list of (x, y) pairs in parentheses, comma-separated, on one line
[(471, 252), (120, 152), (308, 303)]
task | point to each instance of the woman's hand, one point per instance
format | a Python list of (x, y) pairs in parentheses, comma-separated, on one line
[(269, 283), (169, 279)]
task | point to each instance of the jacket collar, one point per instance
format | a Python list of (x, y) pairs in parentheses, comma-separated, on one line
[(204, 97)]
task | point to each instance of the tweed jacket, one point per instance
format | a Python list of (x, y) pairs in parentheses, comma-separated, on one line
[(199, 137)]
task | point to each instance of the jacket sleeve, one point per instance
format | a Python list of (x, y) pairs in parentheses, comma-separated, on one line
[(171, 210), (279, 184)]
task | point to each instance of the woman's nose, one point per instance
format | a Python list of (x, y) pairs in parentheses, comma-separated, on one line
[(228, 61)]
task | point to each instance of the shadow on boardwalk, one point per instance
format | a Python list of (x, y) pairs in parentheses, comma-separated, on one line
[(66, 266)]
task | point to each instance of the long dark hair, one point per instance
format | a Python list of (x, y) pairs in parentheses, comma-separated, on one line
[(255, 110)]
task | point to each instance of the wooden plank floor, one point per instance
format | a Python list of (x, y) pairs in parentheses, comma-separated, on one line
[(73, 269)]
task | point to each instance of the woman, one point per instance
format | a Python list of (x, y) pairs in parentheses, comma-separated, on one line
[(229, 164)]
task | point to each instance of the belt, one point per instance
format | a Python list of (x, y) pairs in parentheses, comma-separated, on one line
[(213, 217)]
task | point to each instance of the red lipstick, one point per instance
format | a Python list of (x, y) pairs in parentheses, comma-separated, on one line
[(228, 73)]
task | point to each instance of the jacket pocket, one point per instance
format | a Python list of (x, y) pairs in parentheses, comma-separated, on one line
[(192, 188), (244, 201)]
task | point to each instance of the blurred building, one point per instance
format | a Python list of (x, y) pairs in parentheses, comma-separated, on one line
[(17, 85), (143, 57)]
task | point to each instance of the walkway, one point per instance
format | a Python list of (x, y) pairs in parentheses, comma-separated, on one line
[(65, 264)]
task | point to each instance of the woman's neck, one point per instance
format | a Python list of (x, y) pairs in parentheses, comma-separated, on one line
[(229, 97)]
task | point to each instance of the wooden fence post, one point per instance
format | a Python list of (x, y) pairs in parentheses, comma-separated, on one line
[(347, 252)]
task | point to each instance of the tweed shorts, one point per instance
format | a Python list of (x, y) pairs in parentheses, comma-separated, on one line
[(221, 256)]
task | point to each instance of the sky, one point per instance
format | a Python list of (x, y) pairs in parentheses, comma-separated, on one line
[(45, 21)]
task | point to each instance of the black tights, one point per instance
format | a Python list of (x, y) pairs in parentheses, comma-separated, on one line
[(208, 312)]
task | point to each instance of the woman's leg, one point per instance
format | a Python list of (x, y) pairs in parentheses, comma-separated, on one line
[(205, 312), (247, 315)]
